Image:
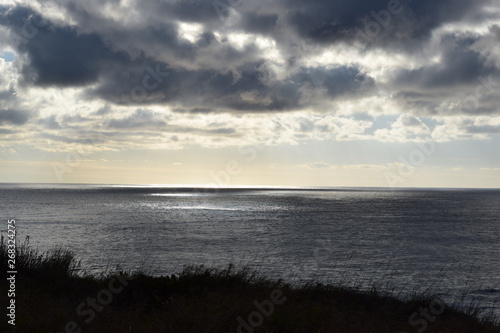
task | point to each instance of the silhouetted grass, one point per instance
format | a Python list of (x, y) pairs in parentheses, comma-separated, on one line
[(199, 299), (58, 263)]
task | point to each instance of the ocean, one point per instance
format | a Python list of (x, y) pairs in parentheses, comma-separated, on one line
[(406, 240)]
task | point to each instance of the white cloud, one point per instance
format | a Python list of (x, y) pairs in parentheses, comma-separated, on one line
[(405, 128)]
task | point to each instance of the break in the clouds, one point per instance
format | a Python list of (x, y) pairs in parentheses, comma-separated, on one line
[(217, 73)]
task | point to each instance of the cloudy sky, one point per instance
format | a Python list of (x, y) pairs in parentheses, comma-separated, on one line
[(251, 92)]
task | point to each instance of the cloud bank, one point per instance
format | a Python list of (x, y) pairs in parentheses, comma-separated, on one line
[(227, 72)]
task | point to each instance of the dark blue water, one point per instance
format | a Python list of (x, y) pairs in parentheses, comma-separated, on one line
[(447, 240)]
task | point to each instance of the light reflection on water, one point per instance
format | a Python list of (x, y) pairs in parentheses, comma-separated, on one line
[(175, 195)]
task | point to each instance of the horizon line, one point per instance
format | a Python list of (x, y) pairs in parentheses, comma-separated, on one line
[(251, 187)]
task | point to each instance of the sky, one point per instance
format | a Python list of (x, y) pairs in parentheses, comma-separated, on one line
[(257, 93)]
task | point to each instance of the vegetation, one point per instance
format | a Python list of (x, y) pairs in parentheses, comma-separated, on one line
[(52, 295)]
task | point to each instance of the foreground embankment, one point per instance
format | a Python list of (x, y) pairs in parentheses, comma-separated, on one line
[(50, 294)]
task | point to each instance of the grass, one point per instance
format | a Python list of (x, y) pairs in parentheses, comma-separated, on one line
[(54, 264), (53, 295)]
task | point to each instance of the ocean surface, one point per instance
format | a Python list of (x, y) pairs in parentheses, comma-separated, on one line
[(446, 240)]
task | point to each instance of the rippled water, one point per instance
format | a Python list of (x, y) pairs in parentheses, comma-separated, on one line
[(448, 240)]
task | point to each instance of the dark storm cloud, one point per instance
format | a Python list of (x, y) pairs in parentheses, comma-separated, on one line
[(256, 23), (15, 117), (16, 17), (243, 89), (73, 60), (156, 35), (343, 80), (183, 86), (324, 21), (458, 65), (60, 56), (449, 101), (144, 60), (199, 11), (462, 81)]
